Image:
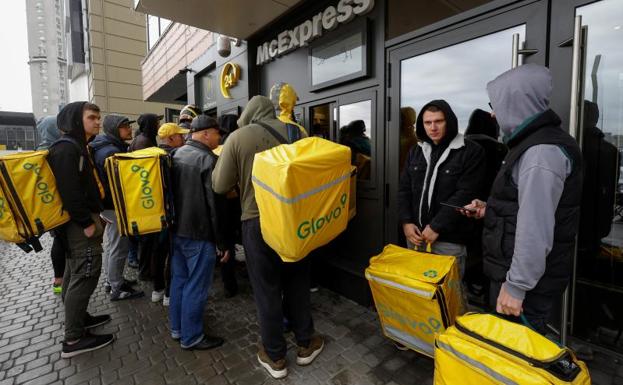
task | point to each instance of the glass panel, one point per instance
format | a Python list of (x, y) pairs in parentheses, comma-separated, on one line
[(355, 122), (461, 82), (164, 23), (337, 59), (599, 284), (206, 93), (321, 122), (153, 30)]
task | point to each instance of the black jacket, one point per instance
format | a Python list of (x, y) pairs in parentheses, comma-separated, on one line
[(198, 210), (147, 132), (72, 167), (453, 171)]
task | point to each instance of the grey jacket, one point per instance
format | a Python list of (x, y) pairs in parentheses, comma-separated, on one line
[(517, 97)]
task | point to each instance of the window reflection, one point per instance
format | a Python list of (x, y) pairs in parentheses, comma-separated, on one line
[(458, 73), (355, 122), (320, 118)]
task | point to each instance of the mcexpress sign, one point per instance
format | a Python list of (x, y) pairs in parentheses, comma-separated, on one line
[(309, 30)]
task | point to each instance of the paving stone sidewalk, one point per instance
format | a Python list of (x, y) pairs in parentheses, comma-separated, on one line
[(31, 331)]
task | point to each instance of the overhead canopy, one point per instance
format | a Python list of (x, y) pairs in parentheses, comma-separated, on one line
[(235, 18)]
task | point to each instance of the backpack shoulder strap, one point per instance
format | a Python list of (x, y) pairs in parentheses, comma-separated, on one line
[(273, 132), (67, 139)]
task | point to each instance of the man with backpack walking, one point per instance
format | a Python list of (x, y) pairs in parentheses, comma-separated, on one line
[(279, 288), (82, 194)]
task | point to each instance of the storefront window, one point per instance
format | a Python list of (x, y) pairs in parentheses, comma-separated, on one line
[(355, 122), (206, 95), (406, 16)]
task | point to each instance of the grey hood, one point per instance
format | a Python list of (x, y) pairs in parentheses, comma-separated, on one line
[(111, 125), (519, 94), (48, 132), (259, 109)]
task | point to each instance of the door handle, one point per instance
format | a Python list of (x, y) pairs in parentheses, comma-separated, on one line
[(520, 51)]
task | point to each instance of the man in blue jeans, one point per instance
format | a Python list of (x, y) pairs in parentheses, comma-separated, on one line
[(196, 234)]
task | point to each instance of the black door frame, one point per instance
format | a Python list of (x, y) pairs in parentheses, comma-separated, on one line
[(532, 13)]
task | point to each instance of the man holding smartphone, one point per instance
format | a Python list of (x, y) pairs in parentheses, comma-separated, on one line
[(444, 169)]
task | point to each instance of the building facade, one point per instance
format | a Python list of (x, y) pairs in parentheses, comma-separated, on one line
[(47, 55), (366, 60), (108, 40)]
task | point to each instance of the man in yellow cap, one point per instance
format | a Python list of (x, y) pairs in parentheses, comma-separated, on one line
[(171, 136)]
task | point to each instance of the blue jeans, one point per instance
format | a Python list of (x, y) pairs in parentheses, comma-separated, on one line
[(192, 265)]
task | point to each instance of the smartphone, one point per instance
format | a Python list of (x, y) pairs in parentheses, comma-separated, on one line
[(457, 207)]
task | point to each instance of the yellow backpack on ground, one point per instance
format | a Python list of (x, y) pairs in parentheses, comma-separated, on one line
[(484, 349), (139, 183), (303, 194), (30, 204), (417, 295)]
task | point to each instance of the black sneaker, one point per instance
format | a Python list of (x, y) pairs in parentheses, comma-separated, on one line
[(95, 321), (208, 342), (126, 294), (87, 343)]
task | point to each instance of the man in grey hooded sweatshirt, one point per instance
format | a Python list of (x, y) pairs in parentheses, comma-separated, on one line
[(531, 217)]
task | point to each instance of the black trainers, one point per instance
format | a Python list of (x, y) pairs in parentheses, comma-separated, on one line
[(95, 321), (126, 293), (87, 343), (208, 342)]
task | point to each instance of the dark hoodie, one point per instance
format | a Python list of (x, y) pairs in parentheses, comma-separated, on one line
[(72, 168), (105, 145), (228, 124), (147, 132), (451, 171), (484, 130)]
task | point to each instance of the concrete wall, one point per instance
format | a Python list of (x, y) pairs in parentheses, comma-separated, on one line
[(118, 44)]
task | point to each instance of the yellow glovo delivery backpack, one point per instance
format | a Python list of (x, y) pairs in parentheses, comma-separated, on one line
[(484, 349), (303, 194), (417, 295), (139, 183), (30, 204)]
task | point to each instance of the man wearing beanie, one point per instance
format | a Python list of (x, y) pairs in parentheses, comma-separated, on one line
[(116, 131)]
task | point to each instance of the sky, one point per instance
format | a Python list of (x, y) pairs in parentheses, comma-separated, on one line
[(15, 94)]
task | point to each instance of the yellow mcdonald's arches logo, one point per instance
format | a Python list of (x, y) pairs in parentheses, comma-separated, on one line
[(229, 78)]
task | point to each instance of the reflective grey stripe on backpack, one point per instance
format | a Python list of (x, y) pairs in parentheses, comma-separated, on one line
[(472, 362), (300, 196)]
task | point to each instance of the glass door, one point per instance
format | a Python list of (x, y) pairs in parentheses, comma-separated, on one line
[(587, 62)]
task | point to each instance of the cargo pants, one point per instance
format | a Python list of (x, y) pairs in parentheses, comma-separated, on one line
[(82, 272)]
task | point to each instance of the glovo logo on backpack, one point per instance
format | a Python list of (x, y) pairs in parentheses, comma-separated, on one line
[(42, 188), (146, 191), (314, 225)]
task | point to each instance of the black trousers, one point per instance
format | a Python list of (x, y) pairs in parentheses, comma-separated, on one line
[(58, 253), (537, 305), (278, 288), (152, 255), (228, 273)]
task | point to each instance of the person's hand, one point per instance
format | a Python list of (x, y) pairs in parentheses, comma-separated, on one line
[(476, 209), (223, 255), (89, 231), (507, 304), (429, 235), (412, 233)]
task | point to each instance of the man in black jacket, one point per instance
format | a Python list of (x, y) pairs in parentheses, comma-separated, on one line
[(196, 234), (443, 168), (116, 131), (81, 193)]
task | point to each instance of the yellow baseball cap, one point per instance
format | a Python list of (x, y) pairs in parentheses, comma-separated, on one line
[(170, 129)]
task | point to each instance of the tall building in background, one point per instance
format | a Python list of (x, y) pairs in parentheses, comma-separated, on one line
[(107, 40), (47, 55)]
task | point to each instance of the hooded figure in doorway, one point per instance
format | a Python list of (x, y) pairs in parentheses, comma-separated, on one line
[(148, 125), (443, 168), (532, 214)]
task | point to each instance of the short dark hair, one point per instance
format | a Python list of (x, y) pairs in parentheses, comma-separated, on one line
[(88, 106)]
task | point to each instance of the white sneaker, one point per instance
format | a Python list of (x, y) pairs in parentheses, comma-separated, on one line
[(157, 296), (165, 301)]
